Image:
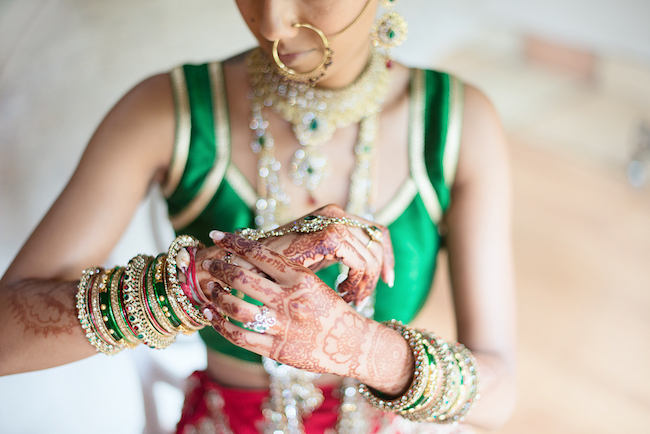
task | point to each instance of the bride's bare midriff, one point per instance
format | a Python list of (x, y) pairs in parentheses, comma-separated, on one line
[(232, 372)]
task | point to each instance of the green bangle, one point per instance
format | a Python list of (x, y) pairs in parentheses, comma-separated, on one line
[(117, 309), (134, 300), (161, 295), (468, 383), (98, 287), (161, 322), (426, 397), (85, 284), (105, 306)]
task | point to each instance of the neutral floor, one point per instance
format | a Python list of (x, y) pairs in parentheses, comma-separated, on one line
[(582, 245), (582, 233)]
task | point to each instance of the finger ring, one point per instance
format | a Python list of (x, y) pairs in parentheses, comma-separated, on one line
[(375, 233), (228, 260), (369, 243), (263, 321)]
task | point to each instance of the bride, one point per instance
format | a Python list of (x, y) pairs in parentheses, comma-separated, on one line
[(386, 164)]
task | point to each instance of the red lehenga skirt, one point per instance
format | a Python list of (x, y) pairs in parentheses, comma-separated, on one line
[(211, 408)]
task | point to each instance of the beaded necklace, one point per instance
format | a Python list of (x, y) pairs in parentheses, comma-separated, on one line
[(315, 115)]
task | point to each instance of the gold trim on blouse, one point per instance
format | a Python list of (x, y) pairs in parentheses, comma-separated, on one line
[(241, 186), (183, 131), (454, 128), (398, 203), (416, 148), (222, 136)]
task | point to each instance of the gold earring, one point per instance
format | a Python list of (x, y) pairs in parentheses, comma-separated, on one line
[(312, 76), (390, 30)]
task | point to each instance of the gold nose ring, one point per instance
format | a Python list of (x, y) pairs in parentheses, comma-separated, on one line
[(311, 76)]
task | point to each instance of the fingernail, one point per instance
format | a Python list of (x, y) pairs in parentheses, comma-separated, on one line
[(210, 286), (206, 264), (217, 235), (391, 278), (207, 313)]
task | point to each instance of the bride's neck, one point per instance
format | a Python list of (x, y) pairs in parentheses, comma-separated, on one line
[(343, 72)]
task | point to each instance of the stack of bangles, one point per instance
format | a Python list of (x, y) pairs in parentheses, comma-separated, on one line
[(445, 382), (144, 302)]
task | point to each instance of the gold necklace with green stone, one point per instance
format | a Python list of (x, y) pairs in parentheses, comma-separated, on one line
[(315, 113)]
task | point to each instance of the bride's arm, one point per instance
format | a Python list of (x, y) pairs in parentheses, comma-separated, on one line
[(130, 150), (479, 245)]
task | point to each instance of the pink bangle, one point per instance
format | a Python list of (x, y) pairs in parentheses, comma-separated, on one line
[(196, 294)]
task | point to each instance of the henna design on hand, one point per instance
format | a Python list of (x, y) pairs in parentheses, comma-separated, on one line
[(304, 310), (387, 351), (310, 316), (343, 342), (256, 251), (308, 248), (225, 273), (45, 310), (233, 334)]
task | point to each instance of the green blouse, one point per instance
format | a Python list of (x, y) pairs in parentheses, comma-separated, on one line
[(205, 191)]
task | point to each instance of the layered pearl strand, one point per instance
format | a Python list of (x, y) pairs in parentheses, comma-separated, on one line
[(315, 115)]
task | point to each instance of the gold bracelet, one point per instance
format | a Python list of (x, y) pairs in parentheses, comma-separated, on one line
[(420, 377), (97, 310), (436, 385), (445, 383), (185, 311), (158, 315), (311, 224), (129, 339), (134, 305), (459, 393), (83, 312)]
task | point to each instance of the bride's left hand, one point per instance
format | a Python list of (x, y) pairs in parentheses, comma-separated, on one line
[(314, 329), (367, 260)]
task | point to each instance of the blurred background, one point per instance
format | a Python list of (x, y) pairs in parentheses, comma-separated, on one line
[(571, 81)]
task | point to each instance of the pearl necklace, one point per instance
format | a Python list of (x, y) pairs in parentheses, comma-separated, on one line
[(317, 113), (328, 110)]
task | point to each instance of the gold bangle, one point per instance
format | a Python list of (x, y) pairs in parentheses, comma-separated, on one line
[(469, 383), (83, 312), (135, 309), (459, 392), (435, 387), (97, 310), (177, 299), (156, 310), (420, 376), (172, 308), (129, 338)]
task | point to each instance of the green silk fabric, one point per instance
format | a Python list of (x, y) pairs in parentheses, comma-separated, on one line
[(414, 235)]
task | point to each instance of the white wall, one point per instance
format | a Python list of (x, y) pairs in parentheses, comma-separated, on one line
[(611, 27)]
